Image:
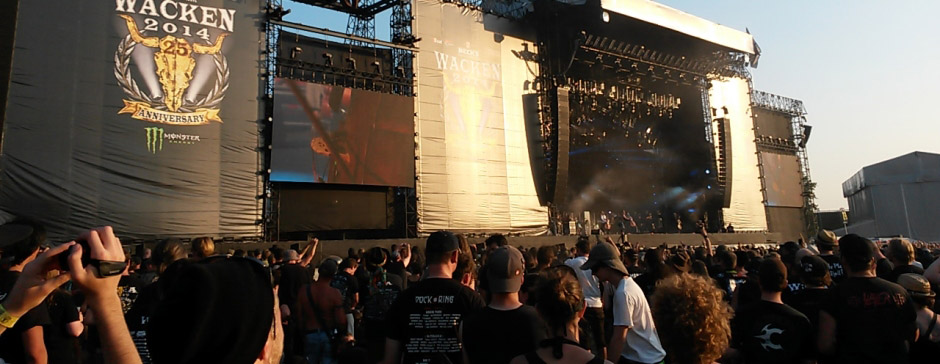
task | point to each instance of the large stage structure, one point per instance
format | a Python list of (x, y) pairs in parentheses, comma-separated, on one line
[(478, 116)]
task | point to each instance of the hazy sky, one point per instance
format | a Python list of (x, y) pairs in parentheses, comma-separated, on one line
[(863, 69)]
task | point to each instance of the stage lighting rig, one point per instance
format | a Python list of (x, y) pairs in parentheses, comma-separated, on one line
[(294, 52)]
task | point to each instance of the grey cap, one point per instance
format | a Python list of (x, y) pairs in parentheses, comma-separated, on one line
[(290, 254), (607, 255), (504, 269)]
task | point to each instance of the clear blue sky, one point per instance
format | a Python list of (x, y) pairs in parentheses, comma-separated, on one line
[(865, 70)]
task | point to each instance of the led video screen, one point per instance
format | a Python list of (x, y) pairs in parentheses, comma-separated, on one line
[(333, 134), (782, 180)]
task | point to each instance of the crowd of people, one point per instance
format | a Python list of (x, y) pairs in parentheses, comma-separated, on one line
[(626, 222), (834, 300)]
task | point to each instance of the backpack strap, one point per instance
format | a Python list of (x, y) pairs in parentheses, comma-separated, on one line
[(933, 322), (316, 310)]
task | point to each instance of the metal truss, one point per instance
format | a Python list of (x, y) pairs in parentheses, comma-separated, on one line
[(273, 11), (665, 65), (769, 101), (796, 145), (401, 31), (361, 24), (363, 8), (512, 9)]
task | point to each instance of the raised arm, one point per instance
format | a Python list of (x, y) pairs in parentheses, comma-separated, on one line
[(101, 293), (705, 240), (309, 251)]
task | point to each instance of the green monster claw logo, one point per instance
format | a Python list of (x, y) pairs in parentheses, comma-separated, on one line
[(154, 139)]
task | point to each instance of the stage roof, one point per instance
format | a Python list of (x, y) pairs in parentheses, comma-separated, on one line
[(916, 167), (669, 18)]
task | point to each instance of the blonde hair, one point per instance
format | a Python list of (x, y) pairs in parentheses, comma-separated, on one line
[(203, 247), (901, 251), (693, 320)]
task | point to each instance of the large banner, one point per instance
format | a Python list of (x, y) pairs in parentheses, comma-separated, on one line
[(473, 166), (141, 114)]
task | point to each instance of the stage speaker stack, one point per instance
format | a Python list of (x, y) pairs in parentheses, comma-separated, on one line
[(564, 145), (538, 161), (724, 166)]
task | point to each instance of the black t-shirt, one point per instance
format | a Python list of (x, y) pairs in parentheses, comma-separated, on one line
[(396, 268), (635, 271), (371, 279), (748, 292), (769, 332), (808, 301), (11, 342), (425, 319), (61, 346), (836, 271), (883, 268), (647, 282), (494, 336), (898, 271), (874, 320), (292, 277), (138, 317), (728, 281), (347, 286)]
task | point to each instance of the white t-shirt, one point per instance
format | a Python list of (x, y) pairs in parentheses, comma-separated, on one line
[(631, 310), (589, 284)]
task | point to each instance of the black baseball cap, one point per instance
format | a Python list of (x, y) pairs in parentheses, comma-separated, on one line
[(219, 310), (442, 242), (854, 247), (813, 267)]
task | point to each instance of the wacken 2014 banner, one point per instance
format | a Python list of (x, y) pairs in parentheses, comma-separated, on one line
[(127, 113)]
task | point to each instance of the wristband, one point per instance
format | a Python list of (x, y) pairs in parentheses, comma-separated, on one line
[(6, 319)]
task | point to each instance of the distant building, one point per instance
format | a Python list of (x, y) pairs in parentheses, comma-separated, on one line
[(832, 220), (899, 196)]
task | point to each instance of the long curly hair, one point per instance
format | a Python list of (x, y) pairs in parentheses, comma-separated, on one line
[(692, 319)]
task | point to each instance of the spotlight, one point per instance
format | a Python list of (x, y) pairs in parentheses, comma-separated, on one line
[(327, 59), (295, 51), (605, 17)]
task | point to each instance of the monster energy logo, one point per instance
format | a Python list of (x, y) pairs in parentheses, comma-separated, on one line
[(154, 139)]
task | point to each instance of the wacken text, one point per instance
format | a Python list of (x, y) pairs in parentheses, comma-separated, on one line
[(172, 10), (468, 67)]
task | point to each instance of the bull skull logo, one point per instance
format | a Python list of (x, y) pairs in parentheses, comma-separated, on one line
[(174, 61)]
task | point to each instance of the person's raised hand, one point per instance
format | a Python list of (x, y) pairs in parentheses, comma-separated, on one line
[(103, 246), (36, 282)]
